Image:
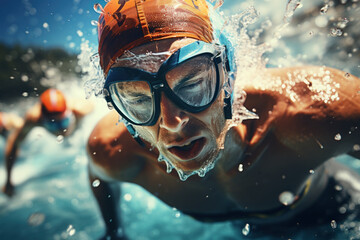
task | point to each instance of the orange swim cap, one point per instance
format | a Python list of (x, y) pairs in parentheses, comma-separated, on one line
[(53, 101), (125, 24)]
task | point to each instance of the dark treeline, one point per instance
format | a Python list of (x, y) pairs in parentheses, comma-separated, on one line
[(28, 71)]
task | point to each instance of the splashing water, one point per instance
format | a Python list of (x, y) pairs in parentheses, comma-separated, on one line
[(148, 61), (218, 4), (324, 9), (98, 8), (290, 10), (246, 230), (184, 175), (93, 76), (94, 22)]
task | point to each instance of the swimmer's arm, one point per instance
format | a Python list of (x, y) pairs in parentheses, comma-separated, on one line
[(14, 122), (11, 150), (81, 107), (107, 195)]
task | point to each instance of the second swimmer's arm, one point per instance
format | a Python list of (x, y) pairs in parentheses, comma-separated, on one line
[(11, 150)]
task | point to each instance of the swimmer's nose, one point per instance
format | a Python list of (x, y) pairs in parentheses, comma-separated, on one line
[(172, 118)]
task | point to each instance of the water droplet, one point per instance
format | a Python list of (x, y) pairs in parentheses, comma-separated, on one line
[(12, 77), (71, 230), (333, 224), (319, 143), (336, 32), (290, 9), (337, 137), (94, 22), (218, 4), (79, 33), (25, 94), (110, 106), (342, 210), (342, 23), (107, 1), (241, 167), (343, 1), (356, 147), (311, 171), (98, 8), (201, 173), (128, 197), (338, 188), (182, 175), (347, 75), (177, 215), (36, 219), (246, 230), (96, 183), (169, 167), (60, 138), (24, 78), (119, 150), (46, 25), (286, 198), (94, 153), (324, 9)]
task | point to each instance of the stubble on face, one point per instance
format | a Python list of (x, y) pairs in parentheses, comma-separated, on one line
[(208, 124)]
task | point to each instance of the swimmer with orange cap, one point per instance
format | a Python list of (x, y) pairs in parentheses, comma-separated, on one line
[(58, 115), (170, 79)]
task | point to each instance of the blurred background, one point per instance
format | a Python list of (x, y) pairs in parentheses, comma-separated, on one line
[(40, 45)]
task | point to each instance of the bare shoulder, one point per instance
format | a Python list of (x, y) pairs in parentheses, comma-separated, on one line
[(306, 89), (113, 152), (302, 103), (33, 115)]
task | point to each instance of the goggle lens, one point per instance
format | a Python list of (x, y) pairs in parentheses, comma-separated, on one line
[(194, 81), (133, 99)]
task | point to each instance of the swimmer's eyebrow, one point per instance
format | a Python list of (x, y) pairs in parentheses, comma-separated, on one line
[(133, 94), (185, 79)]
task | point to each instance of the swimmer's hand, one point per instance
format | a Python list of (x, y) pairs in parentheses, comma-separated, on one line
[(8, 189), (114, 235)]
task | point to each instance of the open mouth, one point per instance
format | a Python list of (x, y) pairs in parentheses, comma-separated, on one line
[(189, 150)]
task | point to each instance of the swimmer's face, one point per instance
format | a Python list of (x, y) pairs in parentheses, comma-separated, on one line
[(186, 139)]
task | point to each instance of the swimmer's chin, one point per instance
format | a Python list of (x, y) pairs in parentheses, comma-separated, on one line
[(206, 155)]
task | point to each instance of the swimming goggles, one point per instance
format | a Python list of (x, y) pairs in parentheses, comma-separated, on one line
[(190, 77)]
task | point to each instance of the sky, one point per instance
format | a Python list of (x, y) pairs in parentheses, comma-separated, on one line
[(60, 23), (48, 23), (52, 23)]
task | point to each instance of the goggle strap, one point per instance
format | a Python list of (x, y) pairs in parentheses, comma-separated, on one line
[(133, 133), (227, 108)]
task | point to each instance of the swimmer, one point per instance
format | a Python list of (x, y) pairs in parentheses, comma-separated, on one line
[(9, 122), (273, 171), (55, 113)]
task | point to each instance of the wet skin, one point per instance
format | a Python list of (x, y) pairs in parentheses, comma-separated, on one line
[(291, 141)]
